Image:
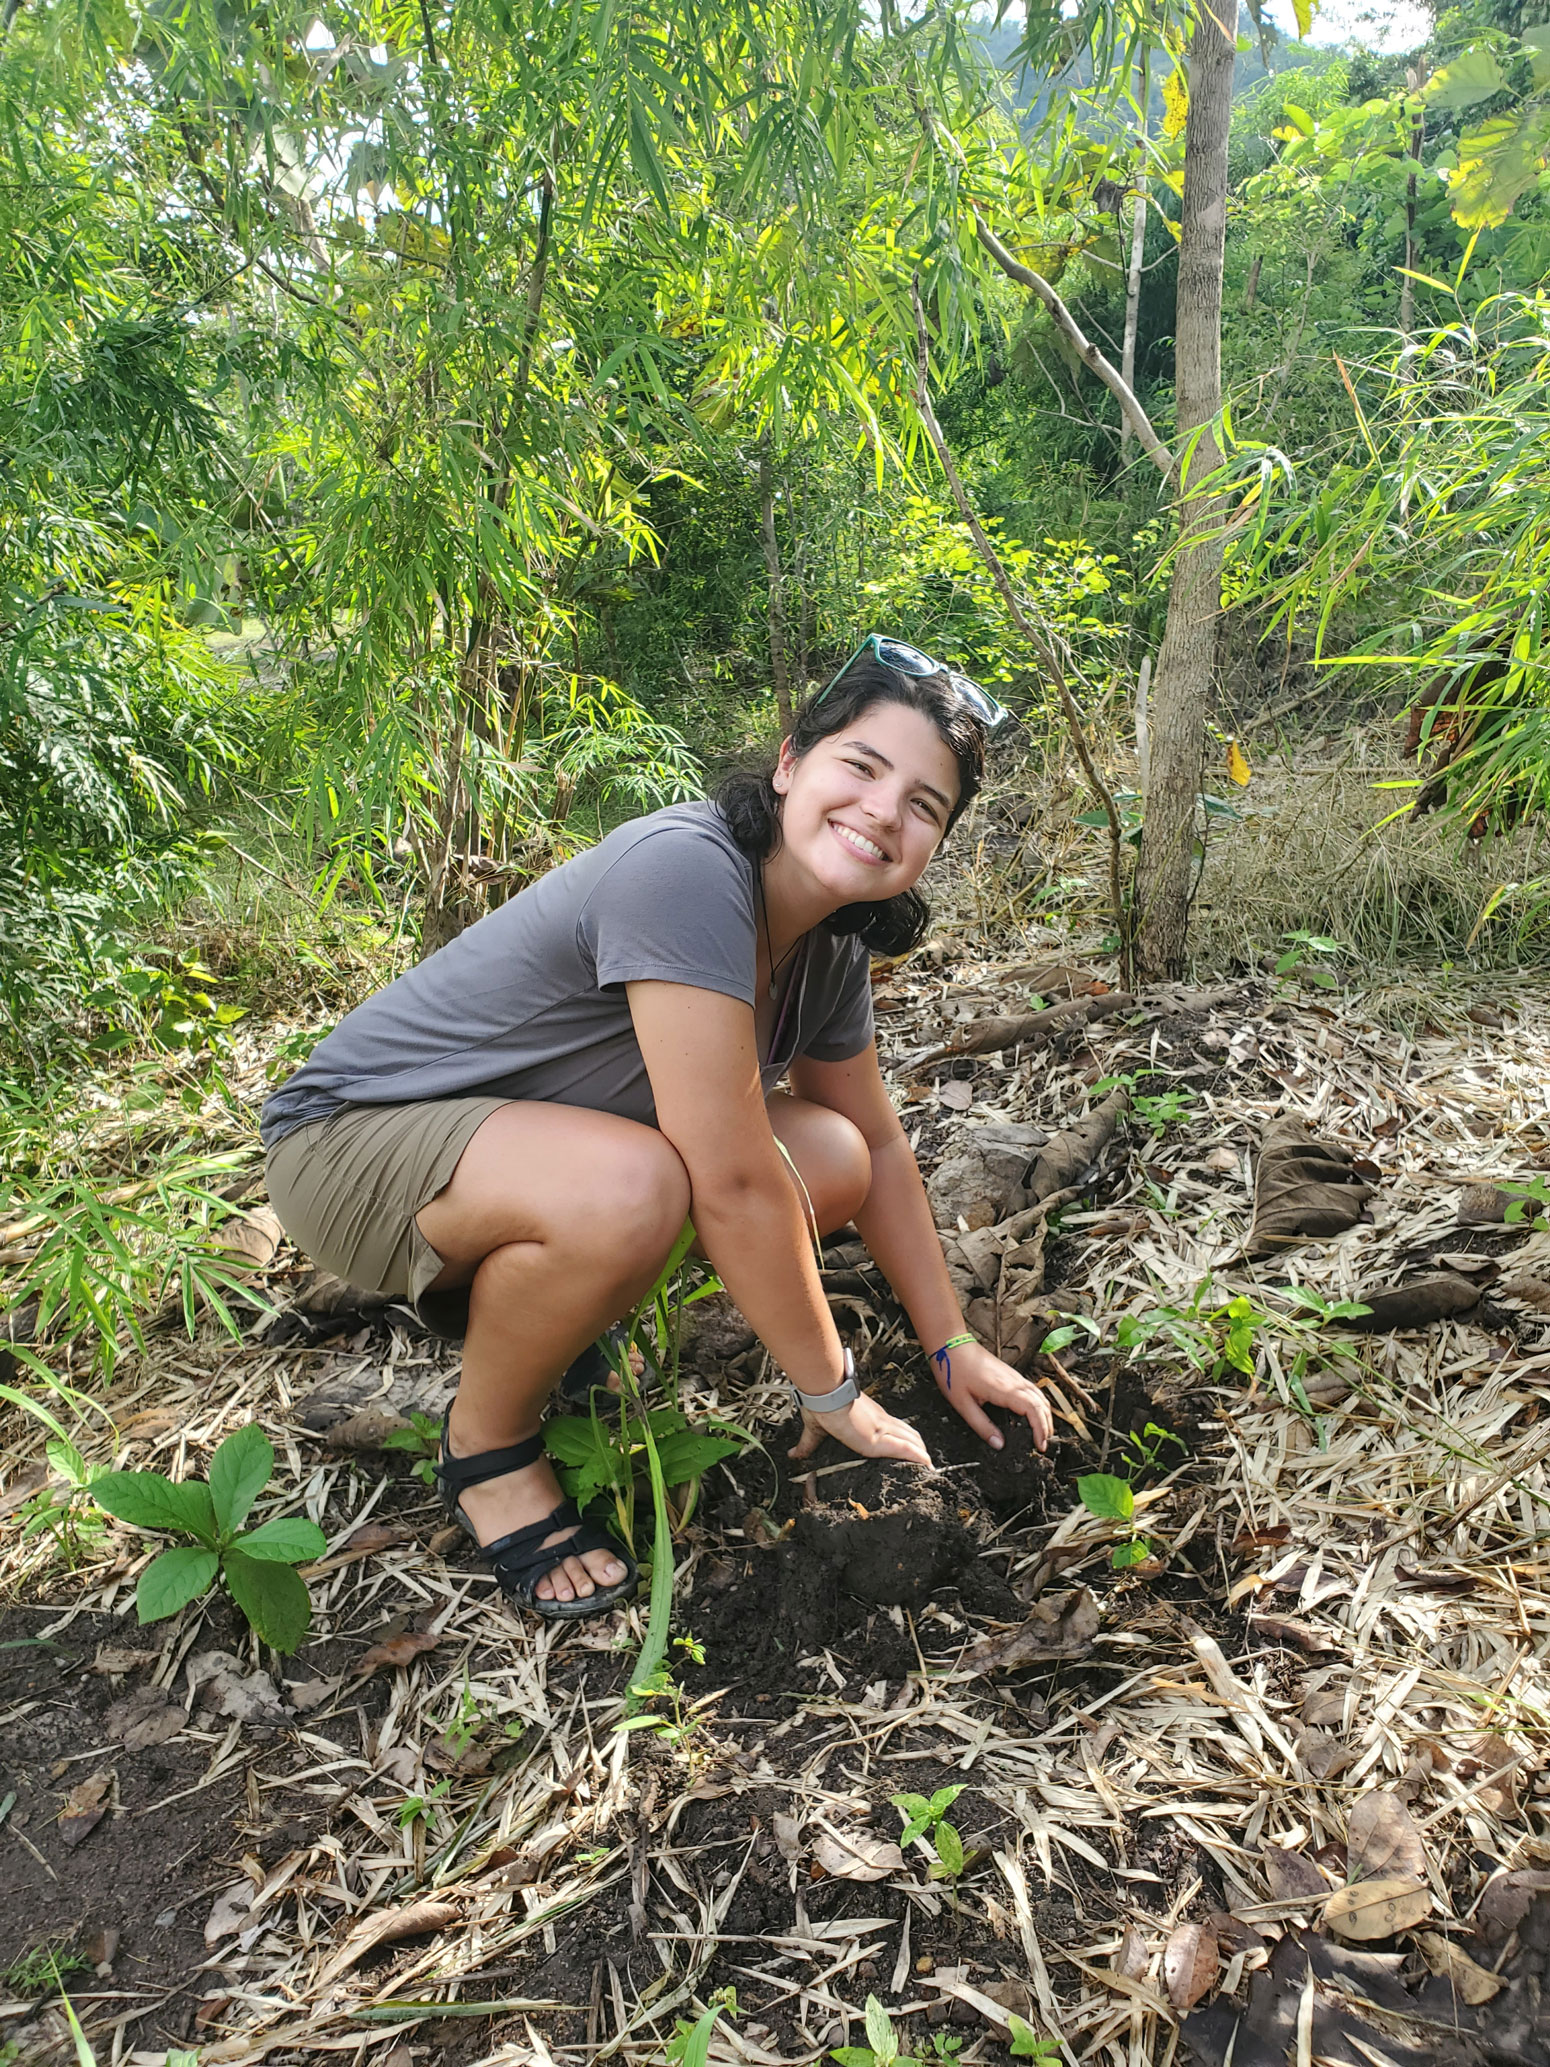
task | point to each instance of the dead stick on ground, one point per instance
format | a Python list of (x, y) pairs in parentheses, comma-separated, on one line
[(1043, 648)]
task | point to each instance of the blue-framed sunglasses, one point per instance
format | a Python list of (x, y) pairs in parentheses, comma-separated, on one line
[(909, 660)]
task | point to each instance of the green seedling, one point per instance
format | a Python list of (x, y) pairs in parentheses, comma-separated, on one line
[(678, 1729), (1059, 1338), (689, 2045), (1113, 1500), (68, 1516), (882, 2046), (1157, 1110), (1147, 1449), (1292, 962), (1027, 2044), (926, 1824), (40, 1969), (255, 1566), (420, 1440), (606, 1456), (419, 1808)]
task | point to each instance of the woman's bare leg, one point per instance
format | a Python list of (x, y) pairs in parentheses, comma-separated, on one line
[(830, 1154), (559, 1219)]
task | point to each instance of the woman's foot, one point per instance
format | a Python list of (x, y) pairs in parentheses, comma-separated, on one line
[(516, 1500)]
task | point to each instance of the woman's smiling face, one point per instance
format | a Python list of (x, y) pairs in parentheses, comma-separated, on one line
[(865, 808)]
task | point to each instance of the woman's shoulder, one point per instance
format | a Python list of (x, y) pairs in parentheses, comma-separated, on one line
[(694, 835)]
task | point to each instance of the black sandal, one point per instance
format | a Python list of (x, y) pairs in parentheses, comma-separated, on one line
[(588, 1376), (519, 1560)]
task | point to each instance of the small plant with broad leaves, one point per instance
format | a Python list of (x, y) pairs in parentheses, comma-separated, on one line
[(421, 1440), (689, 2045), (254, 1565), (1144, 1451), (1293, 964), (599, 1456), (1528, 1201), (926, 1824), (1113, 1499)]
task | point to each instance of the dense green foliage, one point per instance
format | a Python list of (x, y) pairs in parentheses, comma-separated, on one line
[(387, 394)]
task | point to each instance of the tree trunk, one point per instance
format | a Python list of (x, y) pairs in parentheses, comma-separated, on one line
[(779, 673), (1185, 665), (1127, 364)]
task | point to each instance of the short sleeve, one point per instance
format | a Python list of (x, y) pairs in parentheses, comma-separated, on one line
[(848, 1027), (676, 907)]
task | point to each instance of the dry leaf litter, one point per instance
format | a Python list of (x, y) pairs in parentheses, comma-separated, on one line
[(1274, 1792)]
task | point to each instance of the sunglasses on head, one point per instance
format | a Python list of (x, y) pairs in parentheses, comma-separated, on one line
[(909, 660)]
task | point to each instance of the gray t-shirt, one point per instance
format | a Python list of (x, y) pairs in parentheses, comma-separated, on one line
[(530, 1002)]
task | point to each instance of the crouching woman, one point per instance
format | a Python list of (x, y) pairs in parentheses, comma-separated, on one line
[(514, 1132)]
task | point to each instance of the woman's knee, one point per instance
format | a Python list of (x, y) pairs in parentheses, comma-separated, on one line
[(643, 1201), (831, 1157), (850, 1167)]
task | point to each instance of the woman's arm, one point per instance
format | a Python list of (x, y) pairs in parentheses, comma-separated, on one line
[(700, 1054), (897, 1227)]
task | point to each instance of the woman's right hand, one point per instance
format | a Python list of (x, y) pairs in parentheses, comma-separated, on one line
[(864, 1427)]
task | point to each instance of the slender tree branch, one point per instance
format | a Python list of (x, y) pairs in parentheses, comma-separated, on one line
[(1044, 647), (1135, 416)]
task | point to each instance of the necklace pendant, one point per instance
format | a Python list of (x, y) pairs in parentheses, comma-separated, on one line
[(774, 987)]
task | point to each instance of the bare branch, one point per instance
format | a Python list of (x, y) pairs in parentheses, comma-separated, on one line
[(1135, 416)]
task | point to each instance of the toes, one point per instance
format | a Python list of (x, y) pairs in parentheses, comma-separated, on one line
[(580, 1577)]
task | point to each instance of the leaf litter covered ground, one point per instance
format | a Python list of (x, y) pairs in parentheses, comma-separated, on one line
[(1272, 1792)]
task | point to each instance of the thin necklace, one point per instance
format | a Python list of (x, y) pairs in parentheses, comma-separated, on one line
[(769, 938)]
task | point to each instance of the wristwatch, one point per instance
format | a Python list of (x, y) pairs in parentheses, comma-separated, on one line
[(830, 1402)]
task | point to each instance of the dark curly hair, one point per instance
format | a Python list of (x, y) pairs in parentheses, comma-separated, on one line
[(751, 806)]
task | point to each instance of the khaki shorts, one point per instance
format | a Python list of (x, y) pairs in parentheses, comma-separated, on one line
[(347, 1190)]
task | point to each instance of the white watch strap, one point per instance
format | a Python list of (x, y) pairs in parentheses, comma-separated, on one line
[(830, 1402)]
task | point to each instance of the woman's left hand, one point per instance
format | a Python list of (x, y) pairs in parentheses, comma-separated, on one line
[(972, 1379)]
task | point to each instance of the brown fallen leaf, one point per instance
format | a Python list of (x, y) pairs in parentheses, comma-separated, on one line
[(1527, 1290), (856, 1855), (1321, 1755), (1059, 1625), (456, 1751), (397, 1650), (1132, 1959), (367, 1429), (114, 1660), (1191, 1963), (1377, 1908), (307, 1694), (1234, 1935), (412, 1921), (1382, 1843), (1472, 1983), (1292, 1877), (956, 1095), (229, 1913), (1505, 1900), (377, 1536), (84, 1808), (1415, 1305), (1492, 1754), (1324, 1707), (143, 1718), (787, 1832), (1290, 1629)]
